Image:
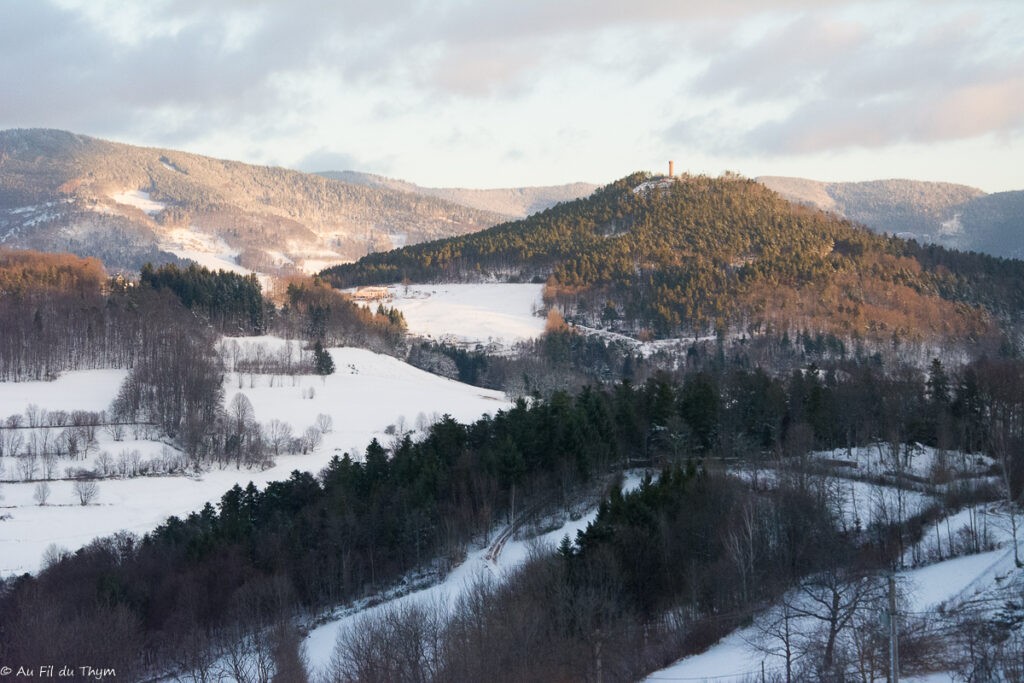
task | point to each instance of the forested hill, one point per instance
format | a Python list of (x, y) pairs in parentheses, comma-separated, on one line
[(692, 255), (125, 205)]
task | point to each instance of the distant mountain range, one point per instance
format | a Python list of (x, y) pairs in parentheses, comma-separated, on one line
[(127, 205), (515, 202), (955, 216)]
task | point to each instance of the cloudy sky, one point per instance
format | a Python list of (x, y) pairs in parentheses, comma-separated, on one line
[(484, 93)]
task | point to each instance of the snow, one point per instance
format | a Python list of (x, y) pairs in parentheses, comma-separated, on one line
[(952, 580), (312, 266), (206, 250), (915, 460), (655, 184), (140, 200), (91, 390), (731, 660), (367, 393), (470, 314), (866, 503)]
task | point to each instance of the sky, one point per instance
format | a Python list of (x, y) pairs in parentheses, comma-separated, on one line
[(485, 93)]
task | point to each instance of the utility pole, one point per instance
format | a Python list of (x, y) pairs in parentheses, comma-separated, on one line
[(894, 646)]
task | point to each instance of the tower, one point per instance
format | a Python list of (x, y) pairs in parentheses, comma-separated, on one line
[(671, 169)]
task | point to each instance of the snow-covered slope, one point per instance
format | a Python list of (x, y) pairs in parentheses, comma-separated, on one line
[(368, 394), (471, 314), (941, 587), (481, 564)]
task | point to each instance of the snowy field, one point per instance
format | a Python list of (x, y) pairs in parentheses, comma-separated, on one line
[(470, 314), (368, 394), (81, 390)]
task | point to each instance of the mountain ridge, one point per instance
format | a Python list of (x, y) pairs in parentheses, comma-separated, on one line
[(952, 215), (60, 191), (514, 202)]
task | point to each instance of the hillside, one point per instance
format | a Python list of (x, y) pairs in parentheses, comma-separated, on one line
[(690, 256), (955, 216), (514, 202), (65, 192)]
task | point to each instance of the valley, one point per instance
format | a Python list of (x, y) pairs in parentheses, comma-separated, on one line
[(624, 434)]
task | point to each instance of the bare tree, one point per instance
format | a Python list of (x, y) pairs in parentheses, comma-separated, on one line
[(779, 635), (41, 493), (833, 599), (324, 422), (115, 430), (50, 461), (241, 412), (28, 466), (312, 438), (398, 643), (12, 437), (104, 464), (53, 554), (86, 490), (278, 433)]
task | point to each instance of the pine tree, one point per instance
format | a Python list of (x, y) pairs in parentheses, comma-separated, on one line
[(323, 364)]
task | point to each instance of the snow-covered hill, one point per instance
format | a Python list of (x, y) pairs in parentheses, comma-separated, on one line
[(369, 396), (65, 192)]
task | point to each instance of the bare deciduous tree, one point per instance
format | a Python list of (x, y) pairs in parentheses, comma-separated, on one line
[(86, 490), (279, 433), (312, 438), (41, 493), (324, 422)]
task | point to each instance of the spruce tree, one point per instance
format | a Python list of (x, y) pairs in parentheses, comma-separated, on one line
[(323, 364)]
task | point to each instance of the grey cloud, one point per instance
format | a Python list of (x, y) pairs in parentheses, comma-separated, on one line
[(784, 63), (995, 106), (182, 80), (845, 86)]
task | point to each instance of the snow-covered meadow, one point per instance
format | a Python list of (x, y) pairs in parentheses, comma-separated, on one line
[(487, 314), (369, 396)]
